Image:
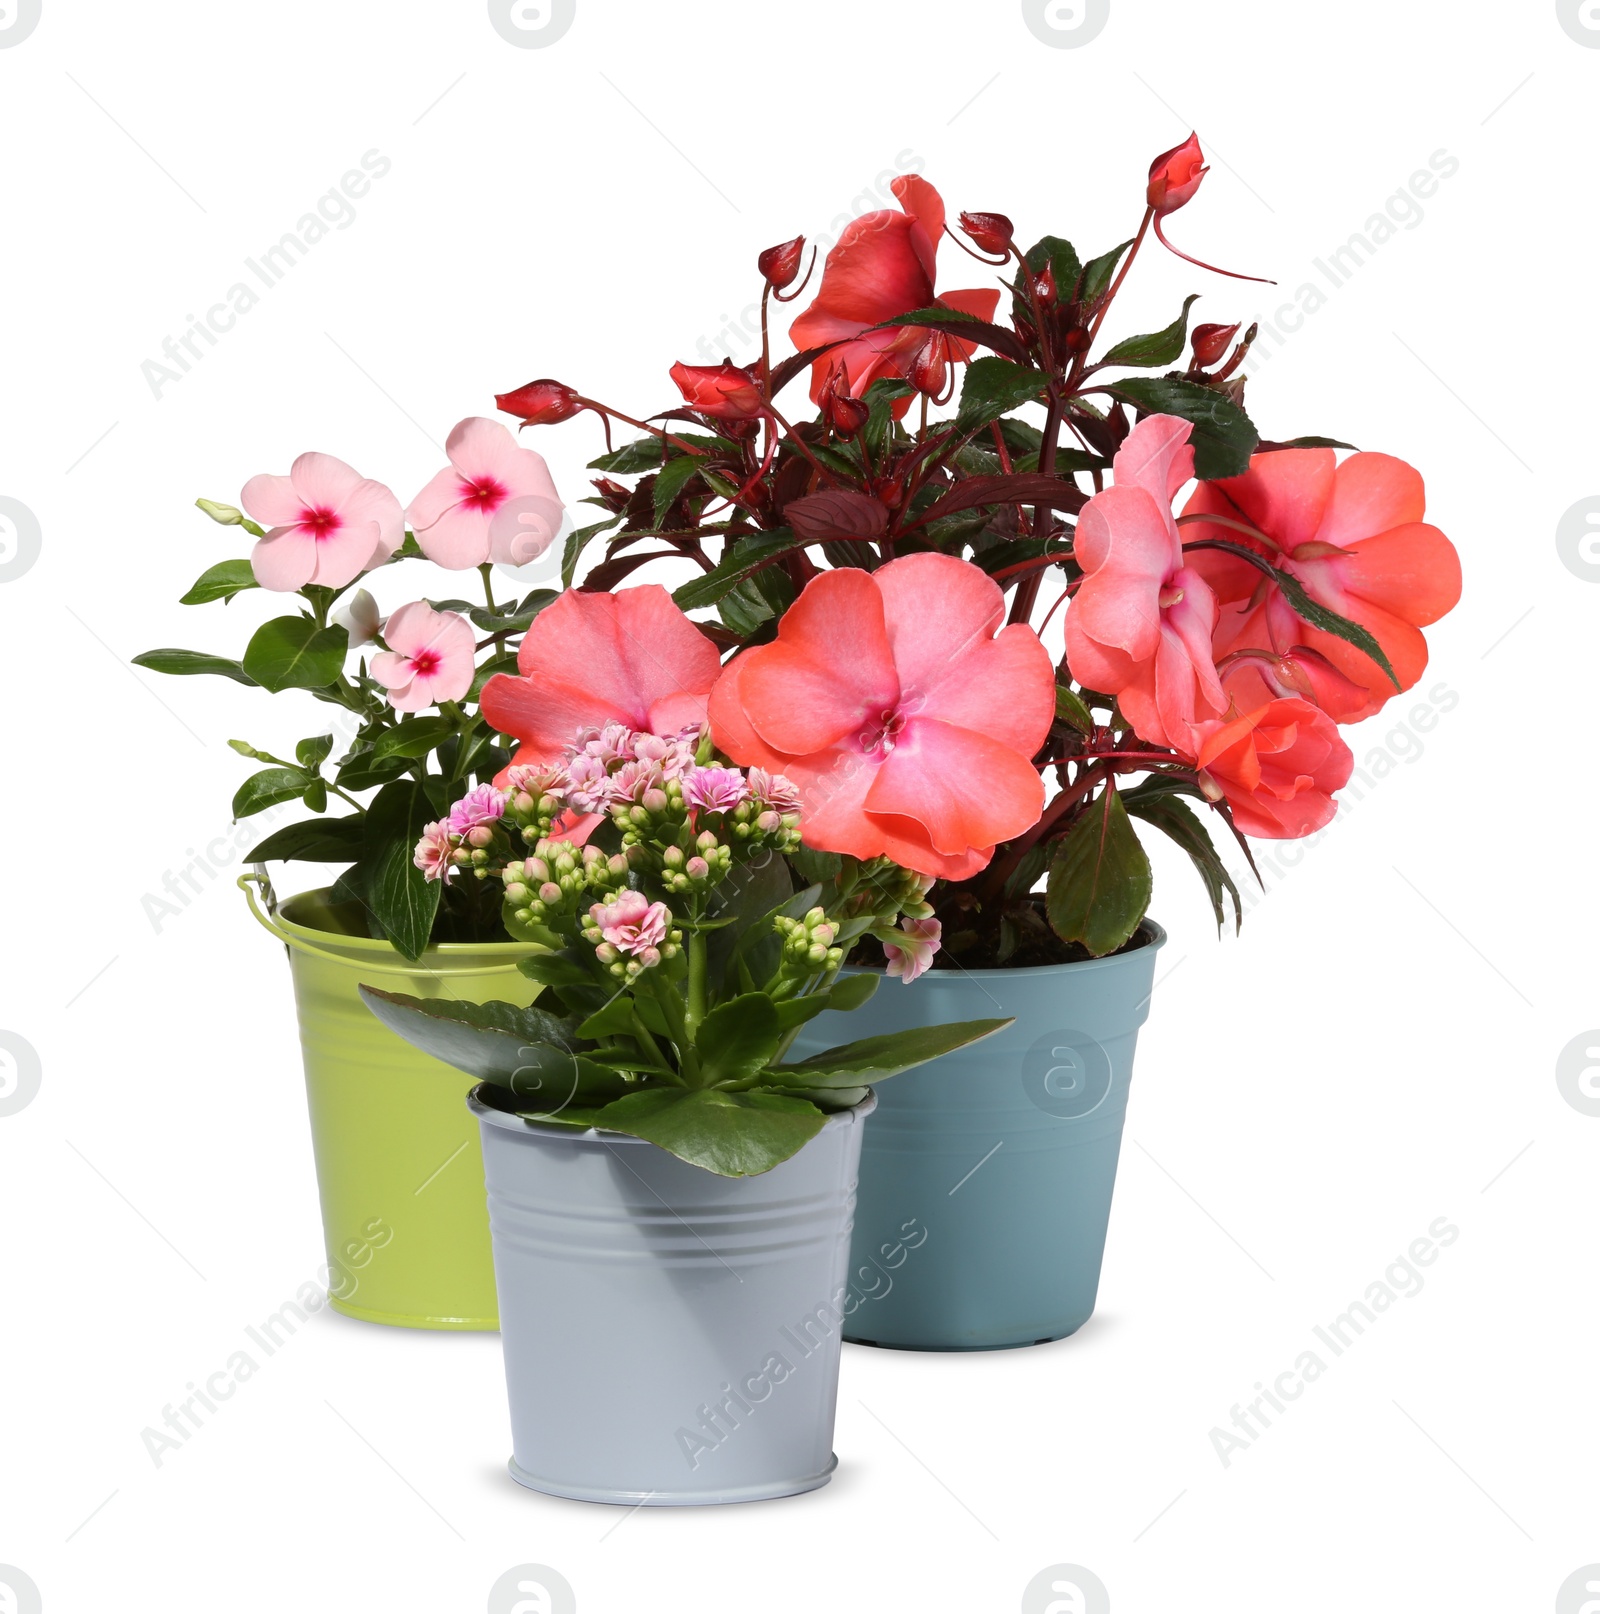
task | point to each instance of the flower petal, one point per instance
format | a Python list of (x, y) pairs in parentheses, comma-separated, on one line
[(285, 560), (1371, 493)]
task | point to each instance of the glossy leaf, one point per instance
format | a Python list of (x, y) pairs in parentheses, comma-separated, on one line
[(875, 1059), (1098, 273), (670, 481), (1157, 349), (577, 541), (415, 737), (1071, 710), (1099, 886), (221, 582), (742, 560), (269, 788), (737, 1038), (318, 840), (994, 387), (643, 455), (731, 1134), (187, 663), (1224, 437), (292, 652), (1177, 820), (401, 899)]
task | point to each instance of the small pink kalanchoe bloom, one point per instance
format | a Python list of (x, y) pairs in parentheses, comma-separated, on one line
[(630, 782), (588, 783), (632, 923), (326, 524), (479, 807), (909, 958), (495, 501), (780, 794), (715, 790), (435, 850), (429, 659)]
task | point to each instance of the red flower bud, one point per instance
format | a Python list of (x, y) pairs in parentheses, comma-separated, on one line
[(845, 414), (989, 232), (723, 391), (1210, 343), (779, 265), (1175, 176), (540, 403), (1044, 286), (929, 369)]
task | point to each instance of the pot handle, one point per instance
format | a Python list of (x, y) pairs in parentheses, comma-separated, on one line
[(251, 883)]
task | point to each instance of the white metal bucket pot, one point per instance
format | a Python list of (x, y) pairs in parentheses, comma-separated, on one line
[(671, 1336)]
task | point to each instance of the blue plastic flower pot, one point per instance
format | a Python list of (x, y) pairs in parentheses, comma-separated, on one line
[(986, 1176)]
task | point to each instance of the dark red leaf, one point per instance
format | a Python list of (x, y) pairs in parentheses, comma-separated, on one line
[(836, 513)]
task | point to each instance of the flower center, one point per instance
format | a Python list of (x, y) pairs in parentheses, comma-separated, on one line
[(424, 663), (878, 734), (320, 521), (482, 493)]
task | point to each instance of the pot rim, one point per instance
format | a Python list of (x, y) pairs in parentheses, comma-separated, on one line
[(1155, 939), (593, 1134), (510, 951)]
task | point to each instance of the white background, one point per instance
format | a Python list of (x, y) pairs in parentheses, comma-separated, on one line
[(1376, 1051)]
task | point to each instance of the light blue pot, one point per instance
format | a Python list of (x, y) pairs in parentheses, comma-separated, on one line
[(986, 1176)]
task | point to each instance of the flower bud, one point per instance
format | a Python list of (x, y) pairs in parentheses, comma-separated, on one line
[(1175, 176), (654, 801), (540, 403), (929, 368), (1210, 343), (989, 232), (780, 264), (697, 868), (846, 415), (223, 514), (550, 892), (722, 391)]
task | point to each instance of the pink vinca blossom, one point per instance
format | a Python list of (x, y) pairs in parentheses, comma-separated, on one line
[(478, 808), (435, 852), (326, 524), (715, 790), (1140, 626), (632, 923), (909, 957), (429, 659), (495, 501)]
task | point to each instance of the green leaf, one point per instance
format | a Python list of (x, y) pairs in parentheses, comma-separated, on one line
[(316, 796), (1159, 347), (875, 1059), (402, 900), (317, 840), (556, 970), (506, 664), (513, 619), (186, 663), (1098, 273), (313, 753), (577, 541), (849, 992), (221, 582), (992, 388), (269, 788), (414, 737), (671, 480), (737, 1039), (1099, 885), (1062, 258), (745, 607), (1071, 710), (731, 1134), (1306, 608), (292, 652), (740, 561), (1223, 436), (815, 867), (1313, 442), (359, 772), (753, 895), (631, 458), (1177, 820)]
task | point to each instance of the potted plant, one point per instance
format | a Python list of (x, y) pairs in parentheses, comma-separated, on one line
[(876, 574), (669, 1193), (396, 1155)]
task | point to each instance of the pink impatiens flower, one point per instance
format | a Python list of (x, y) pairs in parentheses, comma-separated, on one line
[(495, 501), (435, 852), (429, 659), (715, 790), (326, 524), (633, 924), (909, 957)]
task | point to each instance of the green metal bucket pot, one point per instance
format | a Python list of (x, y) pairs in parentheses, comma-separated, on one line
[(399, 1164)]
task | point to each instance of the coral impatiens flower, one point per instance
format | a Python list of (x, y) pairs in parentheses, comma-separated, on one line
[(1140, 626), (1353, 534), (494, 501), (906, 720), (430, 657), (326, 524), (591, 659), (882, 266), (1278, 767)]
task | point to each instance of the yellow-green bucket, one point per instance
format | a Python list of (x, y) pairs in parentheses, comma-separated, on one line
[(399, 1165)]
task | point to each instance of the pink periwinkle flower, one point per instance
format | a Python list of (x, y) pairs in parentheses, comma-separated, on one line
[(633, 924), (326, 524), (715, 790), (435, 851), (478, 808), (909, 958), (429, 659), (495, 501)]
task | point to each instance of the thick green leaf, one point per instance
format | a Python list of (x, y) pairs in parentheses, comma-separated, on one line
[(753, 895), (1159, 347), (1099, 886), (631, 458), (1223, 435), (401, 899), (875, 1059), (1071, 710), (994, 387), (186, 663), (269, 788), (1306, 608), (851, 991), (314, 752), (1177, 820), (737, 1039), (414, 737), (292, 652), (221, 582), (731, 1134), (742, 560), (317, 840), (671, 480)]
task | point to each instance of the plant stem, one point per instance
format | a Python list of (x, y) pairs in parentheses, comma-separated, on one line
[(697, 981), (484, 571)]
